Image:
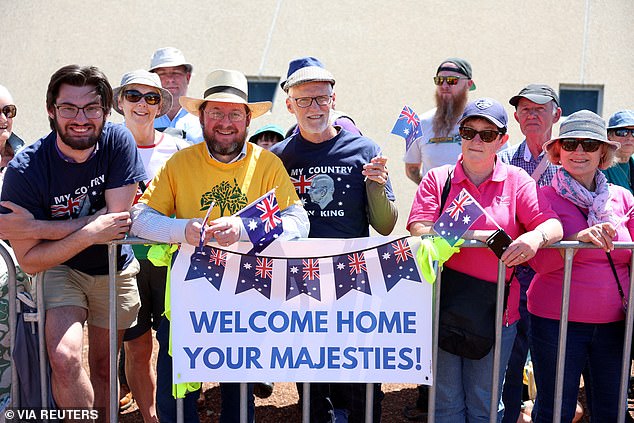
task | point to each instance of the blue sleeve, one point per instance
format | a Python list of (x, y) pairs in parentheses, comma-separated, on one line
[(125, 165)]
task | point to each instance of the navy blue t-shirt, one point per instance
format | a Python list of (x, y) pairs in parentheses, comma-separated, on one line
[(51, 188), (328, 180)]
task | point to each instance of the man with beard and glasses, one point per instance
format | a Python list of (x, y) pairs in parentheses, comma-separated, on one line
[(440, 143), (76, 186), (234, 173)]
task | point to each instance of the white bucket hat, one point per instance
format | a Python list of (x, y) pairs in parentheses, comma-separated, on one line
[(143, 77), (225, 86), (168, 57)]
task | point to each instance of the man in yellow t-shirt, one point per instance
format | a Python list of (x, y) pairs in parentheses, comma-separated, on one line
[(231, 173)]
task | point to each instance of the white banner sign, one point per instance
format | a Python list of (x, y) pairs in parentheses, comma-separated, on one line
[(317, 310)]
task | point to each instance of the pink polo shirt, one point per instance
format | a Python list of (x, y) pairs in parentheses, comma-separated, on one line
[(594, 296), (510, 196)]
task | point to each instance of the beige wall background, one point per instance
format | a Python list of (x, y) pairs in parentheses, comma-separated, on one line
[(383, 54)]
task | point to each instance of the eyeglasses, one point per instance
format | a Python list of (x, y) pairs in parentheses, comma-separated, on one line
[(488, 135), (305, 102), (621, 132), (9, 111), (570, 144), (451, 80), (134, 96), (234, 116), (70, 111)]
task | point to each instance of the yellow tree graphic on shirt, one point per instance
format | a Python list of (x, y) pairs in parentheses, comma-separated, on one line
[(226, 197)]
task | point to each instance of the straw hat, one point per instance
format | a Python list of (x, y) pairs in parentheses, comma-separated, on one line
[(226, 86)]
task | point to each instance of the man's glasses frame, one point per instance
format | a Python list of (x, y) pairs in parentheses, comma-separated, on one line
[(70, 111), (306, 102), (9, 111), (588, 145), (234, 115), (488, 135)]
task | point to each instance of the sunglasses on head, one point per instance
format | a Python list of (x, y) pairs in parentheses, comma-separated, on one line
[(451, 80), (589, 146), (487, 135), (134, 96), (9, 111), (623, 132)]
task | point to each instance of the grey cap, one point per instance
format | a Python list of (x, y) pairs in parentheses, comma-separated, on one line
[(463, 67), (537, 93)]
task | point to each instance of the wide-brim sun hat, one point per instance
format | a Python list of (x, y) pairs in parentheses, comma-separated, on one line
[(304, 70), (583, 124), (143, 77), (169, 57), (225, 86)]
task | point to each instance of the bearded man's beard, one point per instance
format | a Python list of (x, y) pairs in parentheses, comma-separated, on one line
[(448, 111)]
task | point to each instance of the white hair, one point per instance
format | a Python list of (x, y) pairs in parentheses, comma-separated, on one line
[(4, 92)]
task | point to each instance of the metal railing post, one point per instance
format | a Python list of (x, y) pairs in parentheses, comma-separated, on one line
[(306, 402), (112, 333), (431, 409), (243, 402), (627, 347), (369, 402), (563, 336), (497, 346), (41, 337)]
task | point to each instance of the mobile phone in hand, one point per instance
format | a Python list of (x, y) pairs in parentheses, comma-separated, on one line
[(498, 242)]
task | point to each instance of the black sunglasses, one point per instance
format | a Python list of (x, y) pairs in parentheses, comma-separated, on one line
[(487, 135), (134, 96), (623, 132), (9, 111), (571, 144)]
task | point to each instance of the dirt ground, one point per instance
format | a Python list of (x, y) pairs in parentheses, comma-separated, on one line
[(283, 405)]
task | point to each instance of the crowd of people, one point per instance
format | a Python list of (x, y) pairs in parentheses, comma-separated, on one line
[(90, 181)]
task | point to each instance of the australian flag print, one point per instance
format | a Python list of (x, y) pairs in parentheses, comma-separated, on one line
[(458, 217), (351, 273), (397, 263), (302, 277), (255, 273), (209, 263), (407, 126), (262, 221)]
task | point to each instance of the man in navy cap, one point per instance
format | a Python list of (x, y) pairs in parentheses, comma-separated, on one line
[(440, 142), (621, 129), (342, 179)]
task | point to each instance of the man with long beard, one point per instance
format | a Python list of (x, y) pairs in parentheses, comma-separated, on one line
[(233, 173), (440, 143), (74, 188)]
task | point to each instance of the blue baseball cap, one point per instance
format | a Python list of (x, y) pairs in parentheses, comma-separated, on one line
[(621, 119), (488, 109), (306, 69)]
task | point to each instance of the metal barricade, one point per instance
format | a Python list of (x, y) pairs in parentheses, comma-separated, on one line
[(568, 246)]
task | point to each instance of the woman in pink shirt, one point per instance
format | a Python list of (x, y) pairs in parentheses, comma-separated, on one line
[(510, 197), (591, 210)]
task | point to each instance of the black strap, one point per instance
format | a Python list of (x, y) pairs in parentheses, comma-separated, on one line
[(616, 276), (630, 163), (443, 200)]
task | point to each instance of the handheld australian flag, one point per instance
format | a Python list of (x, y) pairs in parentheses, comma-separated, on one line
[(262, 221), (458, 217), (408, 126)]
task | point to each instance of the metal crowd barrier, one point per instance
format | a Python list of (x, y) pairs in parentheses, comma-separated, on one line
[(568, 246)]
